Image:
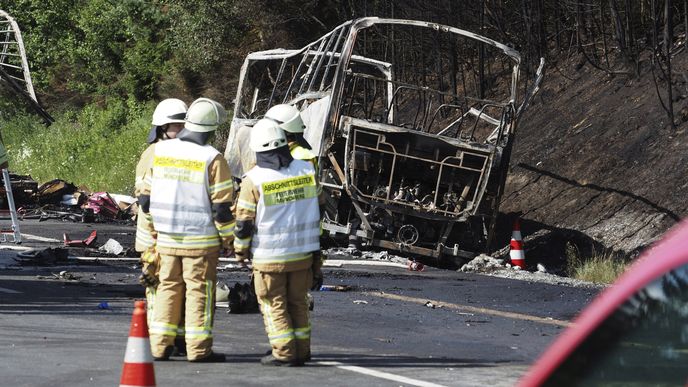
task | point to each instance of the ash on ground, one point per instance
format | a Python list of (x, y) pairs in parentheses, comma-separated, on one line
[(485, 264), (353, 253), (482, 264)]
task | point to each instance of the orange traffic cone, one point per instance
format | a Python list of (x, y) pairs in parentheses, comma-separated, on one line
[(138, 360), (518, 257)]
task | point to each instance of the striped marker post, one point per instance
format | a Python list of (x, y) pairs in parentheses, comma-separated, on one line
[(138, 360), (518, 257)]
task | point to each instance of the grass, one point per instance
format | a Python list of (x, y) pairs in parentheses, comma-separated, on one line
[(602, 268), (97, 146)]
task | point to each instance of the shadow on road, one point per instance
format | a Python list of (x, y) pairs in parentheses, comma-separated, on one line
[(386, 361)]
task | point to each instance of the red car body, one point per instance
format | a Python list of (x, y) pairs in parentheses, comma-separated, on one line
[(659, 276)]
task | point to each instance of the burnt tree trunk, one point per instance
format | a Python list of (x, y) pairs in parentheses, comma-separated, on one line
[(668, 39)]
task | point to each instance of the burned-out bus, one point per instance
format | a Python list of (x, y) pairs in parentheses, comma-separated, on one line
[(412, 122)]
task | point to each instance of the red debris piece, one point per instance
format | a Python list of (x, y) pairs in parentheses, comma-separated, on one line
[(102, 203), (88, 242)]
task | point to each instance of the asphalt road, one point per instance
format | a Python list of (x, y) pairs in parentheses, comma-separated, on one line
[(481, 331)]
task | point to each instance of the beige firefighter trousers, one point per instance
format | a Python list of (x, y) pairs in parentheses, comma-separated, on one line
[(195, 278), (151, 291), (282, 297)]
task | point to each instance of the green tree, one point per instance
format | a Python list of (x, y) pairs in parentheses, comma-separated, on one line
[(123, 51)]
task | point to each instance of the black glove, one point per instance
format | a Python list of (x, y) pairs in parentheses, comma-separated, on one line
[(317, 278), (149, 272), (148, 277), (317, 272)]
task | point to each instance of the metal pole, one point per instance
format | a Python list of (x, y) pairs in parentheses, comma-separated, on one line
[(10, 203)]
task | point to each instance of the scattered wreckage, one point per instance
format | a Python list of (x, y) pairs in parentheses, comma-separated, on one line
[(14, 66), (58, 199), (412, 122)]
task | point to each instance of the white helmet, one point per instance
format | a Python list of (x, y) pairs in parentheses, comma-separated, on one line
[(266, 135), (204, 115), (287, 117), (169, 111)]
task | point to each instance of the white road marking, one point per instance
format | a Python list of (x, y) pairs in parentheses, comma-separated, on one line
[(39, 238), (10, 291), (379, 374)]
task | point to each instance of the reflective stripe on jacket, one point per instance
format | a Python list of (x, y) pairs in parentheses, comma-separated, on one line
[(145, 238)]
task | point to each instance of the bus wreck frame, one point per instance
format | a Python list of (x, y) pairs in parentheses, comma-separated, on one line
[(413, 146), (14, 66)]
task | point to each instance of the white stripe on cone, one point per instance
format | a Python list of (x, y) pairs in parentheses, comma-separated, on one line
[(516, 253), (518, 257), (138, 350)]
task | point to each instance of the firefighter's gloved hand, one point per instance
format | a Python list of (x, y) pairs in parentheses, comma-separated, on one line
[(149, 272), (317, 279), (148, 277), (317, 271)]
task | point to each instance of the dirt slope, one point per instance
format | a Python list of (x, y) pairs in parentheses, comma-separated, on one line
[(597, 164)]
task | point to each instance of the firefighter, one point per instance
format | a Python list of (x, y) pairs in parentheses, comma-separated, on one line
[(188, 193), (168, 120), (278, 228), (289, 120)]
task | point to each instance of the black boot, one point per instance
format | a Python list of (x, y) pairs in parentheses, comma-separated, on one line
[(179, 347), (165, 354), (270, 360), (214, 357)]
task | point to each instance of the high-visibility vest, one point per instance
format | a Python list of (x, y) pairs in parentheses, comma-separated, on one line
[(180, 203), (287, 213)]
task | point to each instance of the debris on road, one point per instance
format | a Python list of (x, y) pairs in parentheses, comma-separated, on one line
[(483, 264), (53, 192), (111, 247), (414, 265), (221, 292), (58, 199), (23, 187), (45, 257), (335, 288), (360, 302), (242, 299), (355, 254), (88, 242), (103, 204), (65, 275)]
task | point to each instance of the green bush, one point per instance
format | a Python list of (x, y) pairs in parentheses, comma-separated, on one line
[(599, 268), (97, 146)]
